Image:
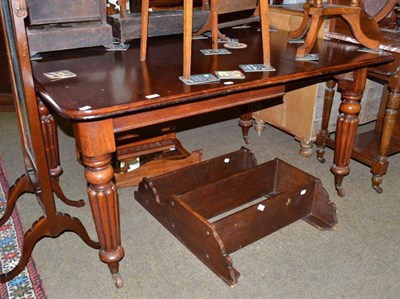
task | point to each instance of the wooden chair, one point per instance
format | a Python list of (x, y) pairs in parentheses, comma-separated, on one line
[(229, 6), (187, 31), (372, 148)]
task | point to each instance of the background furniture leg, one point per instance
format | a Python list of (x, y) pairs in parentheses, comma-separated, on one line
[(306, 147), (50, 139), (245, 122), (326, 113), (123, 11), (380, 163), (259, 126)]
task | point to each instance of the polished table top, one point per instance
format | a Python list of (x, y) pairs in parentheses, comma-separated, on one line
[(108, 83)]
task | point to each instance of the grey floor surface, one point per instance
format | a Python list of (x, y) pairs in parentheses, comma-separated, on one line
[(360, 259)]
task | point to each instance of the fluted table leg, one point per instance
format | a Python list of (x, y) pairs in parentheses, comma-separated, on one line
[(352, 88), (95, 142)]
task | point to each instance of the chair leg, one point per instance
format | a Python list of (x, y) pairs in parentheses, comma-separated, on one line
[(214, 24), (305, 24), (354, 22), (123, 10), (265, 32), (311, 37), (144, 29), (187, 37)]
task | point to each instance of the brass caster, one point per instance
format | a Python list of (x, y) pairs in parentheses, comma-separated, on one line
[(119, 283), (378, 189), (320, 154), (340, 192), (259, 126)]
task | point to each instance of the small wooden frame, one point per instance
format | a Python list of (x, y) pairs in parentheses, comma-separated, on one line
[(157, 154), (223, 204)]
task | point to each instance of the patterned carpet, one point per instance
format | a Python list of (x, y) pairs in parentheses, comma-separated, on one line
[(28, 283)]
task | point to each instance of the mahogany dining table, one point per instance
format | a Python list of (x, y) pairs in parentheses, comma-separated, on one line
[(114, 92)]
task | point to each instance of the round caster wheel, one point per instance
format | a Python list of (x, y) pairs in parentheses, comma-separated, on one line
[(321, 160), (378, 189), (340, 192), (119, 283)]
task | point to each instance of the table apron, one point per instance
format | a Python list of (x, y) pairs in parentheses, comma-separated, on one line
[(160, 115)]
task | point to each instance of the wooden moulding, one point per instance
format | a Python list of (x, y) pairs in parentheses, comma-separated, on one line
[(221, 205)]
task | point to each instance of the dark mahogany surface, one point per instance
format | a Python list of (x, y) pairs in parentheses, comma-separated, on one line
[(115, 83)]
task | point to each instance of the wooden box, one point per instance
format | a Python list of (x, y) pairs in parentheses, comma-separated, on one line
[(67, 24), (165, 22), (136, 5), (218, 206)]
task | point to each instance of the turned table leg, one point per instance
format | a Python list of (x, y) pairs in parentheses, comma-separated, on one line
[(347, 124), (95, 142), (380, 164)]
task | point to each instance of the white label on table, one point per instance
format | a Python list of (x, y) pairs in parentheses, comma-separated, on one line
[(84, 108), (261, 207), (152, 96)]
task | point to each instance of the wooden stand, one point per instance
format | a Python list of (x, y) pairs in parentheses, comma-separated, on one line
[(221, 205), (38, 134), (188, 32)]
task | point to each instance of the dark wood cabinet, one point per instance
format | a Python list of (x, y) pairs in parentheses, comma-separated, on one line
[(136, 5), (6, 100), (67, 24)]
